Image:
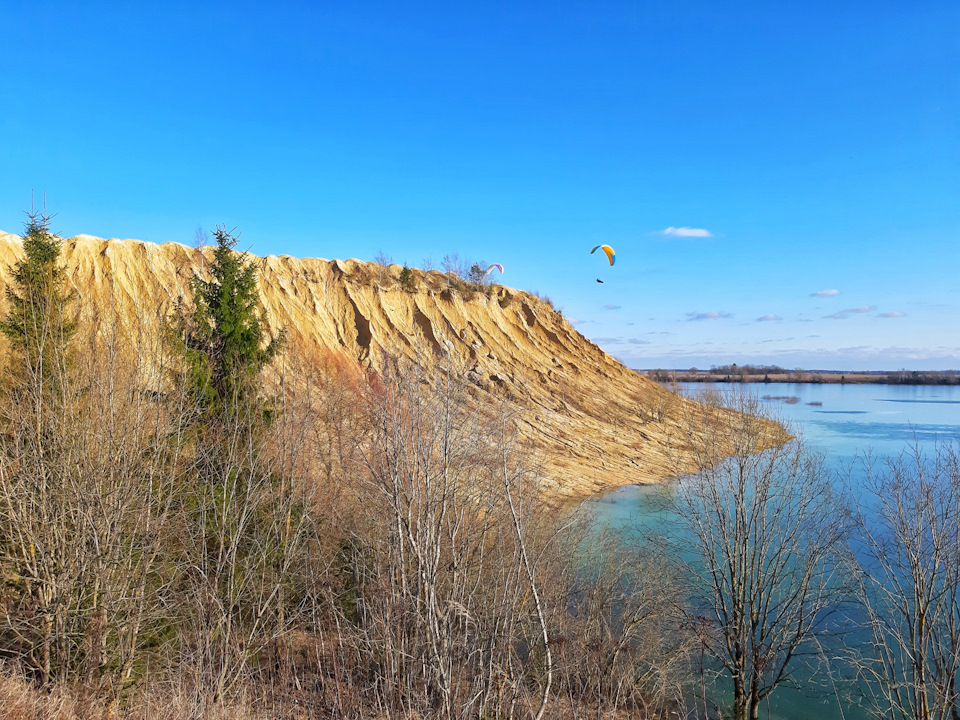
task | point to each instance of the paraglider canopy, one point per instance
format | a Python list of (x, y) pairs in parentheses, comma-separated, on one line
[(498, 266), (608, 250)]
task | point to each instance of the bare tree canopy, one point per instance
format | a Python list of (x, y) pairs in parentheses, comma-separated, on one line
[(758, 541), (908, 550)]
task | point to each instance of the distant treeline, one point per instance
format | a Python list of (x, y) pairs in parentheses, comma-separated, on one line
[(777, 374), (735, 369), (914, 377)]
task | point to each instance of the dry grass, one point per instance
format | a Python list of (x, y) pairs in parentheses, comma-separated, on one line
[(19, 700)]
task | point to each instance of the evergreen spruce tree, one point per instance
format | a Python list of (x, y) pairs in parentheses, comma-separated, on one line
[(38, 324), (224, 341)]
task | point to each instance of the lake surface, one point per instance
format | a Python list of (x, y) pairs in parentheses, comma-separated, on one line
[(840, 421)]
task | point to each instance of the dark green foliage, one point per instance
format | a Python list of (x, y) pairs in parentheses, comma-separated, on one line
[(224, 342), (38, 324), (406, 277), (477, 274)]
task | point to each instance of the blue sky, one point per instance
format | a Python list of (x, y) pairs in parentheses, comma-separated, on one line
[(781, 181)]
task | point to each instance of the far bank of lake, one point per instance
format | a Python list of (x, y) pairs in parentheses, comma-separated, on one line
[(772, 374)]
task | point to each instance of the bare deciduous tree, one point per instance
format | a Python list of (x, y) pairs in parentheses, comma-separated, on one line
[(908, 546), (199, 240), (383, 260), (759, 537), (455, 268)]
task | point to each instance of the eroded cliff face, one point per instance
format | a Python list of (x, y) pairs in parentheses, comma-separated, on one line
[(594, 423)]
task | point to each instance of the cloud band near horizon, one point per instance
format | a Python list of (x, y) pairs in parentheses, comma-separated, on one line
[(712, 315)]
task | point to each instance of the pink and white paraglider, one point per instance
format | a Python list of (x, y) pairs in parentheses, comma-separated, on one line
[(490, 269)]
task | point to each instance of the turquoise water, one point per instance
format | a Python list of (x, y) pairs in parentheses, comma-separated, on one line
[(842, 422)]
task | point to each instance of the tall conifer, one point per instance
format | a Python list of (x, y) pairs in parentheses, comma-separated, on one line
[(224, 342), (38, 324)]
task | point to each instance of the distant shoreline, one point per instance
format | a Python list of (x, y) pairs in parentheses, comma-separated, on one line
[(769, 375)]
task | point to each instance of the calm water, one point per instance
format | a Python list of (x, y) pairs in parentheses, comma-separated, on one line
[(841, 421)]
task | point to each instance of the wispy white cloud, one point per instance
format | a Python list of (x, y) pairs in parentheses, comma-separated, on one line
[(638, 341), (847, 312), (769, 318), (712, 315), (824, 293), (684, 232), (892, 314)]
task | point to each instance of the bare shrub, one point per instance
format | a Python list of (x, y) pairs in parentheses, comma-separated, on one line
[(248, 528), (619, 634), (86, 479), (439, 589)]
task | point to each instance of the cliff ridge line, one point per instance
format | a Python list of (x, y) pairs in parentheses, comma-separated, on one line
[(596, 423)]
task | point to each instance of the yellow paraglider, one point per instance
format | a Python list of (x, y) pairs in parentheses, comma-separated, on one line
[(611, 256)]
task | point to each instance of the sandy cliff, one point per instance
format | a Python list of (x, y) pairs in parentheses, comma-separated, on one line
[(596, 423)]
